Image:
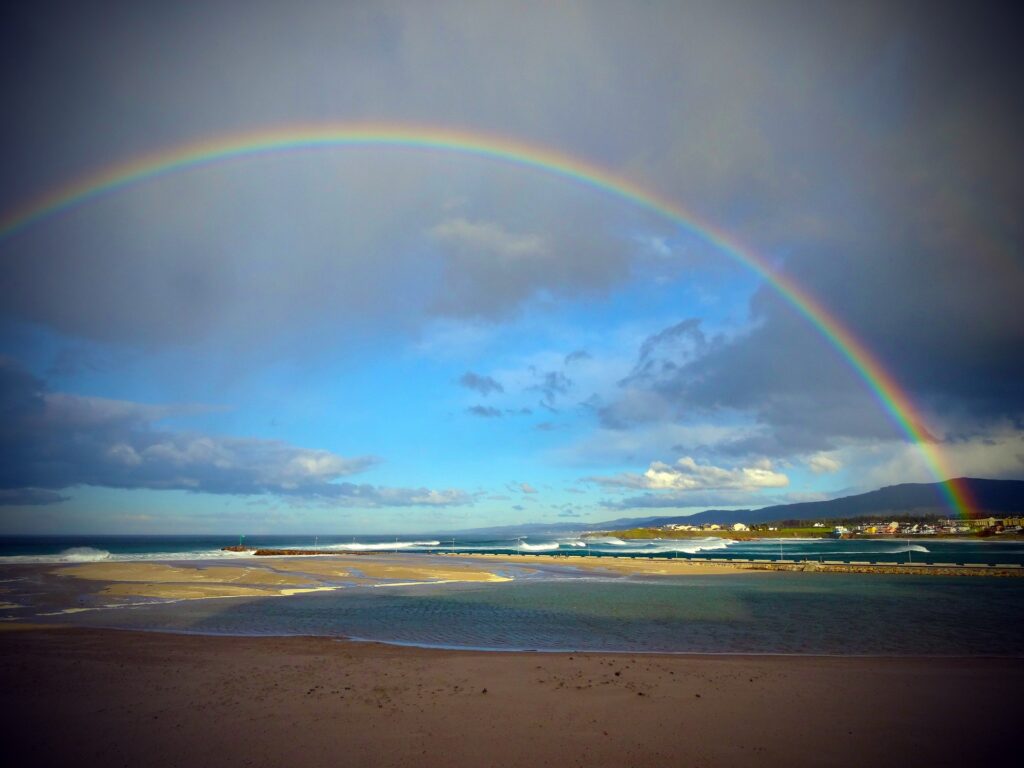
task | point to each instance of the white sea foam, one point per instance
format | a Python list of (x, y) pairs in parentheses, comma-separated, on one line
[(573, 543), (76, 555), (613, 540), (83, 555), (546, 547), (382, 546), (794, 539), (907, 548), (663, 546)]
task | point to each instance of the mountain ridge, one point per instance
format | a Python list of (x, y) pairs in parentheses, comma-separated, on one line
[(993, 497)]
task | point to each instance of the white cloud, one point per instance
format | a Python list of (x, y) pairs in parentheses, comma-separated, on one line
[(687, 475), (117, 444), (821, 463)]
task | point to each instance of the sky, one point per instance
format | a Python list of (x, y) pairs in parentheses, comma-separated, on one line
[(388, 339)]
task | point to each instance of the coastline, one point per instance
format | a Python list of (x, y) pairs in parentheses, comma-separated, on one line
[(662, 566), (106, 697), (28, 590)]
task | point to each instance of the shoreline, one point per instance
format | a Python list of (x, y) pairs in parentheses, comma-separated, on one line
[(111, 697), (34, 589), (657, 566), (680, 566)]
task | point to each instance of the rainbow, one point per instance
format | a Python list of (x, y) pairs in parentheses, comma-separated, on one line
[(239, 146)]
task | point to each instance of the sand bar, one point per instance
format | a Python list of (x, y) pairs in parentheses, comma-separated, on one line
[(65, 587), (177, 574), (376, 567)]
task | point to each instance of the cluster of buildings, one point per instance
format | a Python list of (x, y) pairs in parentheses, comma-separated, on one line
[(994, 525), (707, 527), (906, 528)]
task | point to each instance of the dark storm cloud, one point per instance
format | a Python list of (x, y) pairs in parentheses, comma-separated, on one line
[(806, 397), (872, 150), (29, 497), (368, 239), (53, 441), (479, 383)]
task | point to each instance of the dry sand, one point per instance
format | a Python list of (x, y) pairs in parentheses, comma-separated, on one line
[(81, 697)]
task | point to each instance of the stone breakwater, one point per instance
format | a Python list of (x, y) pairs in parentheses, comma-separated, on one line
[(923, 569), (688, 566)]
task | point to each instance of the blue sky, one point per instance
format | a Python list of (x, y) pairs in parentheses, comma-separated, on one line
[(373, 341)]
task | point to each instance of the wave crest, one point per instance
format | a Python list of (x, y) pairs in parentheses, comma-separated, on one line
[(83, 555), (382, 546), (538, 547), (613, 540)]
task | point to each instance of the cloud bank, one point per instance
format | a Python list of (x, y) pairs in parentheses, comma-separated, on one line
[(55, 441), (686, 474)]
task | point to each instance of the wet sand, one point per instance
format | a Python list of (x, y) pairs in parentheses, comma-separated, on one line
[(86, 697), (658, 566), (620, 565), (113, 583)]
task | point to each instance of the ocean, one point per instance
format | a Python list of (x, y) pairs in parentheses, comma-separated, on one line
[(738, 613), (557, 609), (990, 551)]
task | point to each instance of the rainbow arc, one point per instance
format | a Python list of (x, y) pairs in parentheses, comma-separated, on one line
[(892, 398)]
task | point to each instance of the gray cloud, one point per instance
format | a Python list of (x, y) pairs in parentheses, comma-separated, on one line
[(29, 497), (54, 441), (871, 150), (485, 385), (662, 353), (484, 412), (688, 500), (686, 474), (552, 384)]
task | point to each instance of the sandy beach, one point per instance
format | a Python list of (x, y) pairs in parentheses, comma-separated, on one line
[(81, 696), (110, 698)]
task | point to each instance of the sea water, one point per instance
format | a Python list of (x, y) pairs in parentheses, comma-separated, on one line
[(921, 549), (755, 613)]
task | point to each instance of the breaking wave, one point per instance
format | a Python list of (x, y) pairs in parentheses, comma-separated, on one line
[(83, 555), (683, 546), (378, 546), (907, 548), (546, 547), (613, 540)]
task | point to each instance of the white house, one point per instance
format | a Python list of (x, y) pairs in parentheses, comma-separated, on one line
[(739, 527)]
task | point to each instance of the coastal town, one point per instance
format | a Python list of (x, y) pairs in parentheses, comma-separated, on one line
[(1012, 526)]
